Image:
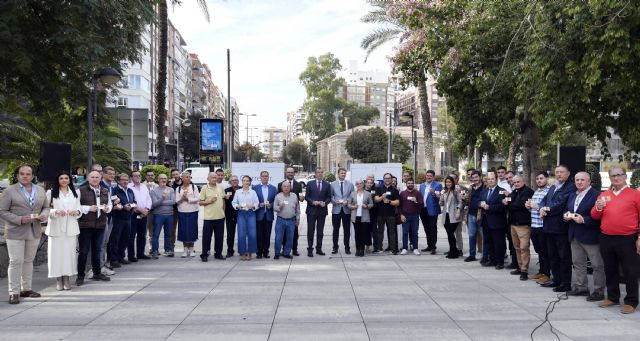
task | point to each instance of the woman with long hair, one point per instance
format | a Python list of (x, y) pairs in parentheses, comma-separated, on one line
[(245, 201), (63, 230), (452, 207)]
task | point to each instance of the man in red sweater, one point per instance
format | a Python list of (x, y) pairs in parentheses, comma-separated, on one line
[(619, 211)]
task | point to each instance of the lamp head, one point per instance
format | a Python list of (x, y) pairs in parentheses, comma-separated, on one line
[(109, 76), (186, 122)]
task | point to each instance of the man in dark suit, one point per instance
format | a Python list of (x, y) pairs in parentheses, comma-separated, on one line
[(554, 205), (296, 188), (430, 211), (318, 197), (584, 236), (121, 216), (494, 222), (264, 214), (230, 214)]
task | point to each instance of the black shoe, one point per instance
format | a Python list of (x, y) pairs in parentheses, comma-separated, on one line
[(595, 297), (295, 253), (133, 259), (79, 281), (347, 250), (115, 265), (433, 251), (426, 249), (266, 255), (512, 266), (286, 256), (229, 254), (394, 252), (259, 256), (515, 272), (310, 253), (387, 249), (276, 257), (219, 257), (100, 277), (575, 292), (319, 252), (204, 258), (488, 264), (499, 267), (524, 276), (144, 257), (470, 259), (124, 261), (562, 288), (334, 251), (550, 284)]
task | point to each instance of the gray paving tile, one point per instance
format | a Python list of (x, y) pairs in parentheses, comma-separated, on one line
[(385, 310), (599, 330), (482, 308), (385, 331), (222, 332), (145, 312), (508, 331), (319, 332), (318, 310), (122, 332), (60, 314), (38, 333), (236, 309)]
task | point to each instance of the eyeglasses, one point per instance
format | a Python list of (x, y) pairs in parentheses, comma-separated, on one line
[(616, 175)]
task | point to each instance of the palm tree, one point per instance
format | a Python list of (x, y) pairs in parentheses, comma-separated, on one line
[(391, 29), (161, 84)]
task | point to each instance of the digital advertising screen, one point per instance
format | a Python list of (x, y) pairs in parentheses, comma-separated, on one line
[(211, 141)]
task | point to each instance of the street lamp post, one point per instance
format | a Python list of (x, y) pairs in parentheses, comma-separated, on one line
[(247, 122), (414, 144), (183, 122), (106, 76)]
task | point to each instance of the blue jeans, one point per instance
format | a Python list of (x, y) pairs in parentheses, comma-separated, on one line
[(247, 240), (411, 225), (283, 225), (472, 230), (160, 221)]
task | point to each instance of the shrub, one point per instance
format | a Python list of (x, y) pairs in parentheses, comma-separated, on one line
[(407, 168), (635, 178), (329, 177), (596, 179), (157, 170), (422, 177)]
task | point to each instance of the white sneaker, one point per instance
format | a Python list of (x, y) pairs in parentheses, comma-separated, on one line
[(416, 252), (185, 254), (107, 272), (404, 252), (89, 274), (192, 253)]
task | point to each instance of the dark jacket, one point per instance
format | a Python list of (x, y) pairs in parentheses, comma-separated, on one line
[(123, 214), (556, 200), (313, 195), (229, 211), (518, 213), (589, 232), (91, 220), (496, 216)]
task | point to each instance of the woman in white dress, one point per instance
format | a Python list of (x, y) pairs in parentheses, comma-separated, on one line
[(63, 230)]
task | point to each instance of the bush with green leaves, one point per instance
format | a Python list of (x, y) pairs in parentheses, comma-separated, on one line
[(635, 178), (407, 168), (596, 179), (329, 177), (227, 174), (157, 170)]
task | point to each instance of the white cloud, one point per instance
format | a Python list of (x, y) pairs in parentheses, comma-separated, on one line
[(270, 42)]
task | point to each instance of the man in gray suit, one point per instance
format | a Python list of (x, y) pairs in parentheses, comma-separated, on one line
[(340, 193), (23, 206)]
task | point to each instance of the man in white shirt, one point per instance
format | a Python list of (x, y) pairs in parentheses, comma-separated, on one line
[(138, 236)]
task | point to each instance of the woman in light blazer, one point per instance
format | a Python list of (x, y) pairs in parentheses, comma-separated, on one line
[(452, 206), (63, 230), (360, 202)]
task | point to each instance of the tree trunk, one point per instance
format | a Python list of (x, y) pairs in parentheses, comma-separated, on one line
[(161, 83), (425, 113), (513, 150), (531, 148)]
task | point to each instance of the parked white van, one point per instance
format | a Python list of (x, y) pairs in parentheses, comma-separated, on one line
[(198, 175)]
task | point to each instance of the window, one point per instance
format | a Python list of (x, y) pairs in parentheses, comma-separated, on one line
[(123, 102)]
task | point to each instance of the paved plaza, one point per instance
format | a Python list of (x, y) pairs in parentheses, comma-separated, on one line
[(341, 297)]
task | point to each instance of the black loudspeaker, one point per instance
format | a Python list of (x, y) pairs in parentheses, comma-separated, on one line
[(54, 158), (574, 157)]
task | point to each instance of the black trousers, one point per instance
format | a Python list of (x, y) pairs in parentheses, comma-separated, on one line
[(360, 228), (392, 232), (137, 237), (540, 245), (263, 236), (89, 240), (487, 245), (295, 238), (345, 219), (620, 251), (498, 244), (430, 225), (315, 222), (213, 228), (372, 229), (231, 222), (559, 251), (451, 234)]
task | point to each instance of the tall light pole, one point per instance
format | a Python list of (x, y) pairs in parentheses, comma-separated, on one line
[(241, 114), (107, 76), (183, 122), (414, 144)]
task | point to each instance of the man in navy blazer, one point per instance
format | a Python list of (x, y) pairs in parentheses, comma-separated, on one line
[(264, 214), (318, 196), (553, 206), (121, 215), (430, 191), (494, 222), (584, 236)]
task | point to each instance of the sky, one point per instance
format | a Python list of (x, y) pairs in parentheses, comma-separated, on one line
[(270, 42)]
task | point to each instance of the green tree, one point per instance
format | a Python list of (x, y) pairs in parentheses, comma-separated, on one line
[(297, 152), (25, 131), (161, 83), (248, 153), (190, 138), (357, 115), (369, 146)]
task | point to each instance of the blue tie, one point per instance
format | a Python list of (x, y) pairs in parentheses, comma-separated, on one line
[(489, 195)]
